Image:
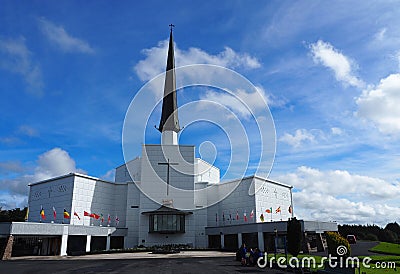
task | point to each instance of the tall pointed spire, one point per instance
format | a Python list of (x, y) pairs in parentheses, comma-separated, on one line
[(169, 117)]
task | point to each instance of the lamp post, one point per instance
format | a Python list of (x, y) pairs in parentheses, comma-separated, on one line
[(275, 240)]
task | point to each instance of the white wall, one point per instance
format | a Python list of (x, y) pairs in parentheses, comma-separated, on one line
[(271, 194), (54, 193)]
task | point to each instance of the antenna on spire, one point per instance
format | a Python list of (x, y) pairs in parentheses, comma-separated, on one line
[(171, 26)]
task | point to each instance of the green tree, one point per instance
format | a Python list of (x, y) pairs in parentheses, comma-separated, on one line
[(294, 236)]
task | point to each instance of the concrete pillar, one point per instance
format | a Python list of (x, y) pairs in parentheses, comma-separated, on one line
[(108, 239), (88, 241), (261, 241), (64, 241), (240, 239), (222, 241)]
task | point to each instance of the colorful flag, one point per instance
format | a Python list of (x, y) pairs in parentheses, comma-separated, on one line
[(54, 213), (269, 210), (101, 217), (237, 215), (245, 216), (278, 210), (290, 209), (86, 214), (262, 217), (116, 221), (96, 216), (91, 215), (27, 214), (66, 214), (252, 214), (76, 214), (42, 215), (109, 219)]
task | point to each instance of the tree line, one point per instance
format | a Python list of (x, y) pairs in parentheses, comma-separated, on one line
[(390, 233), (13, 215)]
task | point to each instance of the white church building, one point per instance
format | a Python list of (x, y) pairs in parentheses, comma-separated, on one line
[(165, 196)]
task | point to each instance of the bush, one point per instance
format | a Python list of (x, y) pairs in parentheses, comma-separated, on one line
[(371, 237), (334, 241)]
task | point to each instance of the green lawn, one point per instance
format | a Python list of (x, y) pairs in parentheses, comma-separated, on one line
[(387, 248)]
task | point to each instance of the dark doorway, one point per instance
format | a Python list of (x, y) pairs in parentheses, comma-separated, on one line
[(98, 243), (250, 239), (117, 242), (214, 241), (231, 242), (76, 245)]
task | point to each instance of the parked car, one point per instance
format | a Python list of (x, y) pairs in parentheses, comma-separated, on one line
[(351, 239)]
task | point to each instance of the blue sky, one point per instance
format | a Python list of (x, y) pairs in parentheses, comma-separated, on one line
[(329, 71)]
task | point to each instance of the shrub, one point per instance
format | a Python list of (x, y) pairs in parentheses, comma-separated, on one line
[(334, 240), (294, 236)]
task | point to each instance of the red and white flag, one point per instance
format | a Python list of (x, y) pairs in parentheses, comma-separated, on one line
[(252, 214), (54, 213), (76, 214)]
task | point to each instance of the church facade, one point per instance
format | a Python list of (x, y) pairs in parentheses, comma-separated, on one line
[(165, 196)]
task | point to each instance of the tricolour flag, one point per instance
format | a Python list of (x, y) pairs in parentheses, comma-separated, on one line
[(278, 210), (54, 213), (76, 214), (269, 210), (42, 215), (27, 214), (116, 221), (262, 217), (109, 219), (66, 214), (101, 217)]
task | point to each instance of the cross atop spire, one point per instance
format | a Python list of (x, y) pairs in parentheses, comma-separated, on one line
[(169, 117), (171, 26)]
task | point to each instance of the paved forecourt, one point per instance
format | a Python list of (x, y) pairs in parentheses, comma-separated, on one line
[(142, 262)]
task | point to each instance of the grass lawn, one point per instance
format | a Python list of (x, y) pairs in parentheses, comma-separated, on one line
[(387, 248)]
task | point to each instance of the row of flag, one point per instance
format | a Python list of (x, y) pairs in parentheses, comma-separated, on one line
[(43, 215), (237, 217), (66, 215)]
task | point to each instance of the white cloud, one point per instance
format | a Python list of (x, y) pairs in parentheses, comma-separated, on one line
[(155, 59), (381, 104), (52, 163), (336, 131), (241, 102), (17, 58), (341, 196), (297, 139), (59, 37), (28, 130), (325, 54), (109, 176), (380, 35)]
